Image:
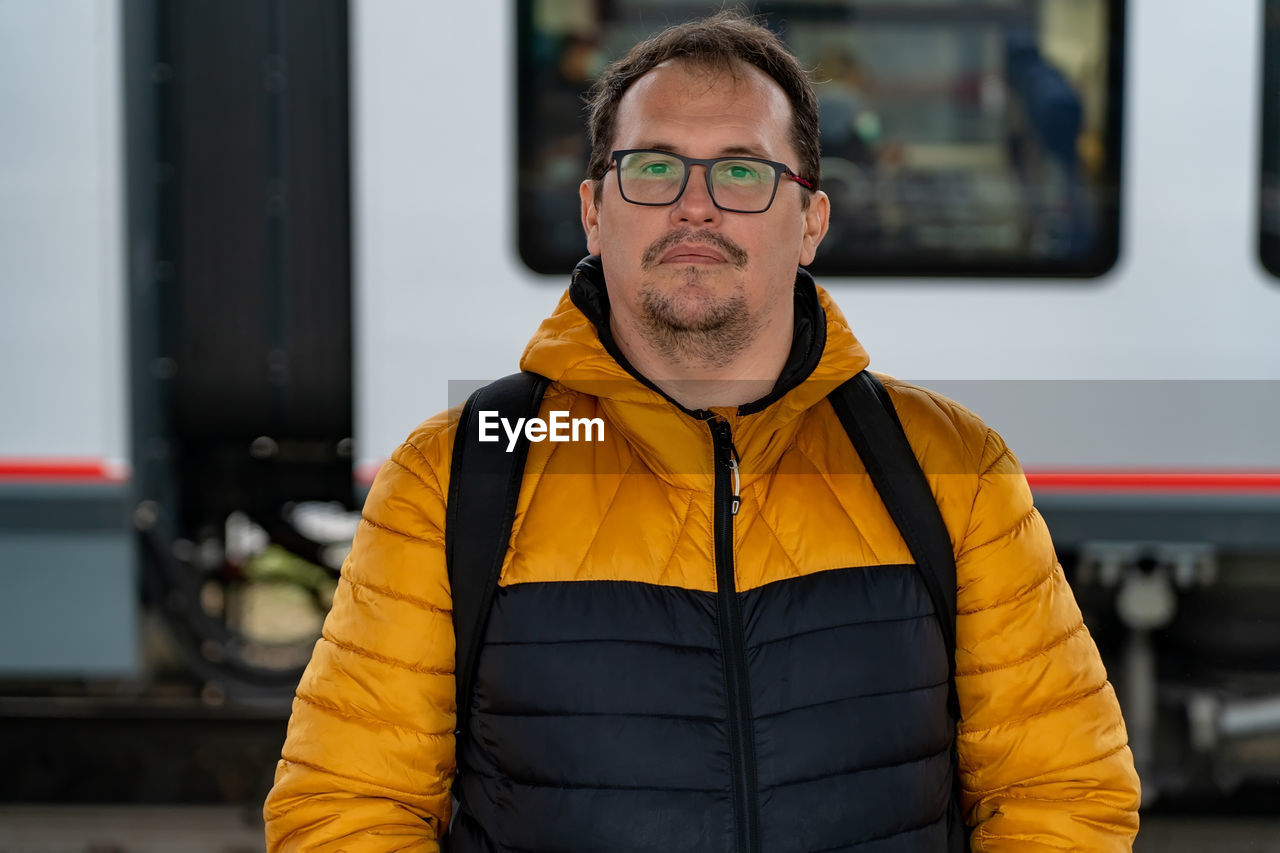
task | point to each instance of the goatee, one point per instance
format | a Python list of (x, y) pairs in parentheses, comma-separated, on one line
[(715, 336)]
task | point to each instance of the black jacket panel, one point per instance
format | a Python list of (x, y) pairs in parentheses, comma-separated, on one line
[(600, 719)]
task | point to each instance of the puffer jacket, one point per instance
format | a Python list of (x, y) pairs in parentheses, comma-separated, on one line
[(662, 673)]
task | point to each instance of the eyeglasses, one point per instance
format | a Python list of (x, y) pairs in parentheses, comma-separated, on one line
[(736, 184)]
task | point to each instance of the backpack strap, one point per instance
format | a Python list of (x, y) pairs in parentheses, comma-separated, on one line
[(865, 410), (484, 485)]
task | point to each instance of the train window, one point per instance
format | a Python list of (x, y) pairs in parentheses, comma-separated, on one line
[(959, 137), (1269, 196)]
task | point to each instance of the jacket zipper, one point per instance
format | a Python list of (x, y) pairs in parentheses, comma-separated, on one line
[(742, 747)]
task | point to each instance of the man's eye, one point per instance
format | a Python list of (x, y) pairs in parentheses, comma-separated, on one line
[(656, 169), (741, 172)]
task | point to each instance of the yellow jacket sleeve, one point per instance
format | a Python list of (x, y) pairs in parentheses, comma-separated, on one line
[(369, 757), (1044, 756)]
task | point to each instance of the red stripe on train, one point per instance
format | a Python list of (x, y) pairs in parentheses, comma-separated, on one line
[(58, 470), (1154, 480), (43, 469)]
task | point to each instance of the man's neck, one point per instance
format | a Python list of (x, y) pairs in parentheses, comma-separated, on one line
[(750, 376)]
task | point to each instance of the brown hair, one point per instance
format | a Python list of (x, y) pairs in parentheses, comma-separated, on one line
[(718, 43)]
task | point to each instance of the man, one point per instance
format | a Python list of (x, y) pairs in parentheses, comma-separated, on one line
[(672, 663)]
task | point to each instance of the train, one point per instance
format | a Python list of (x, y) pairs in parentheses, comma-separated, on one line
[(248, 246)]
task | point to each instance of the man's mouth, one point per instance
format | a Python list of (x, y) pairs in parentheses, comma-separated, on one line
[(685, 247), (687, 253)]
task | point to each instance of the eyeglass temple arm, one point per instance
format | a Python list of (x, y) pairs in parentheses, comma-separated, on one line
[(799, 180)]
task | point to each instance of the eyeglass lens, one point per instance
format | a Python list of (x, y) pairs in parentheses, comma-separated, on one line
[(651, 177)]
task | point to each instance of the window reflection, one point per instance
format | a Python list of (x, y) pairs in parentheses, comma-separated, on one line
[(958, 137)]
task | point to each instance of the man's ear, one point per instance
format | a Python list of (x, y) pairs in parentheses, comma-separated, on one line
[(590, 216), (816, 220)]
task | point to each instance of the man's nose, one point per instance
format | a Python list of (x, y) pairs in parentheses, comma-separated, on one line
[(695, 204)]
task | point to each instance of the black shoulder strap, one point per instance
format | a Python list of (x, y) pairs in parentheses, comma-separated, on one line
[(867, 413), (484, 485)]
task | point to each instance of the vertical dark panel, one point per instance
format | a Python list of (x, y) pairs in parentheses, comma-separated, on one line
[(1269, 179), (145, 76), (255, 212), (317, 254), (223, 164)]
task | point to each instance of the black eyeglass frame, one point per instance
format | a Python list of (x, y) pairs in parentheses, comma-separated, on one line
[(779, 169)]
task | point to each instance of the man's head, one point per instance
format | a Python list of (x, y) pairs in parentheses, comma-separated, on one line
[(723, 42), (697, 281)]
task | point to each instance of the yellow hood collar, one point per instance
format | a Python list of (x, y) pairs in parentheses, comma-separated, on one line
[(575, 348)]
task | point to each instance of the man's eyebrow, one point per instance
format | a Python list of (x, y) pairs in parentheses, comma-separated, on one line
[(745, 151), (727, 151)]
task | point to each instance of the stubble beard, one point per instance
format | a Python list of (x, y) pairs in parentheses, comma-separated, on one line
[(713, 331)]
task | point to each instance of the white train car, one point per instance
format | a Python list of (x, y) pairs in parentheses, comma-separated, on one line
[(1063, 213)]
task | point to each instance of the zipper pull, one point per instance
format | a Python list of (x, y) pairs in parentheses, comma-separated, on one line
[(737, 481), (724, 438)]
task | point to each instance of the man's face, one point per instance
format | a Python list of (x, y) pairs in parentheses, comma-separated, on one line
[(689, 271)]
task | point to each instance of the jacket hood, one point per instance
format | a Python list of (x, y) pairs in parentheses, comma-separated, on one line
[(575, 348)]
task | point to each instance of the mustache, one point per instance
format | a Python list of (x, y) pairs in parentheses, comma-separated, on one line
[(732, 252)]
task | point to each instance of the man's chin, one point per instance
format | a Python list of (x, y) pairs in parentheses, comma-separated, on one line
[(696, 324), (686, 312), (692, 284), (692, 300)]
